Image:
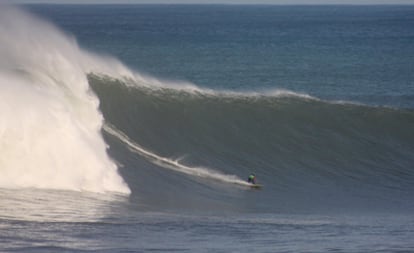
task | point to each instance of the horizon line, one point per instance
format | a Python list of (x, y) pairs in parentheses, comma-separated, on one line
[(246, 4)]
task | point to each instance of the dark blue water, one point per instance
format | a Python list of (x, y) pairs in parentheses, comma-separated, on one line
[(316, 100)]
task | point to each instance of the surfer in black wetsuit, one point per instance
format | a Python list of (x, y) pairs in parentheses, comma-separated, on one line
[(252, 179)]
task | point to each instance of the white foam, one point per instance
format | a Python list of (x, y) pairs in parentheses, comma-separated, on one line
[(49, 119), (137, 80)]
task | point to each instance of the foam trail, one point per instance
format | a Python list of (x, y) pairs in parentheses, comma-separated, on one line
[(50, 123), (172, 164)]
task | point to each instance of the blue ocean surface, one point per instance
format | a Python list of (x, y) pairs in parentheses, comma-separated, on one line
[(133, 128)]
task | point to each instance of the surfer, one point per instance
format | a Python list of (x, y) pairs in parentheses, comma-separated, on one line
[(252, 178)]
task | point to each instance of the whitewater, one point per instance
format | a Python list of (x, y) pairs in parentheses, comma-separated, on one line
[(51, 125)]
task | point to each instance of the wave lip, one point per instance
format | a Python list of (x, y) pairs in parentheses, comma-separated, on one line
[(50, 120)]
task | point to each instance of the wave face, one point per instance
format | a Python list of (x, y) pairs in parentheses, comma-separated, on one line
[(182, 147), (304, 150), (50, 121)]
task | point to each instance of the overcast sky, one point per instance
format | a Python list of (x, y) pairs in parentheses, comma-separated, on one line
[(220, 1)]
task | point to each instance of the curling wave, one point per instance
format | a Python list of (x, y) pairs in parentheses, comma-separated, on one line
[(50, 120)]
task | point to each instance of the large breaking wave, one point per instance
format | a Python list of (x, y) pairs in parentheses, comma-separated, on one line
[(50, 122), (303, 149)]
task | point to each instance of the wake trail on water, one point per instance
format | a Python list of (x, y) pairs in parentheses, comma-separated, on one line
[(171, 164)]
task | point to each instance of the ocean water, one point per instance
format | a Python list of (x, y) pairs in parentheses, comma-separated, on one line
[(133, 128)]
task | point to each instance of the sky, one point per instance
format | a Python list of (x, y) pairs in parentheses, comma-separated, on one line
[(216, 1)]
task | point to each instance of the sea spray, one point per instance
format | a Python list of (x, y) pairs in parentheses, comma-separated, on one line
[(50, 126)]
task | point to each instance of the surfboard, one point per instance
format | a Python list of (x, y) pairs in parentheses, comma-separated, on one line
[(255, 186)]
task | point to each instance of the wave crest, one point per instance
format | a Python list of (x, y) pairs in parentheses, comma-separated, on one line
[(50, 120)]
